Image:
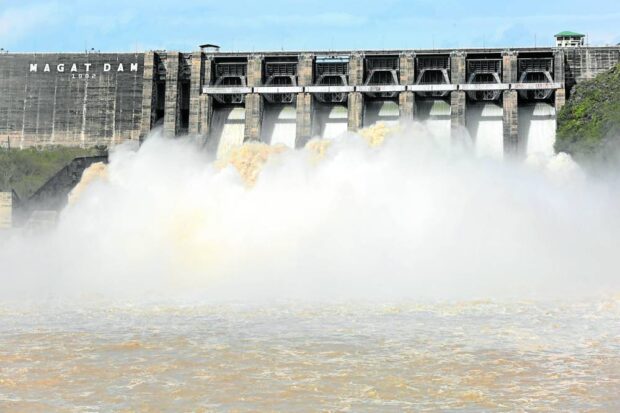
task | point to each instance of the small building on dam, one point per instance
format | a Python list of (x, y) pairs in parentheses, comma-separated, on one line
[(505, 98)]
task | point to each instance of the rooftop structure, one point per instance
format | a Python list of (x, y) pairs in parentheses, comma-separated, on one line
[(569, 39)]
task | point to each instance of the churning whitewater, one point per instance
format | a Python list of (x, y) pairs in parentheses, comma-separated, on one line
[(395, 214), (382, 272)]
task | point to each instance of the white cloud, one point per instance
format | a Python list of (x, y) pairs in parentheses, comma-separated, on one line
[(18, 22)]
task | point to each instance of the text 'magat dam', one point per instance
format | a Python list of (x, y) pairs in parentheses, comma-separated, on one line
[(502, 97)]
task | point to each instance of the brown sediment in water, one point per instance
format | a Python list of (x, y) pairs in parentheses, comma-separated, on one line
[(322, 359), (318, 149), (376, 134), (96, 171), (249, 159)]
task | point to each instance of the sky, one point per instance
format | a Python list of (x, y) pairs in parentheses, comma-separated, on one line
[(137, 25)]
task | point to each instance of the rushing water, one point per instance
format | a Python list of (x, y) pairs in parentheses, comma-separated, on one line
[(331, 121), (408, 276), (537, 128), (228, 126), (279, 125), (435, 113), (485, 125), (464, 356), (385, 111)]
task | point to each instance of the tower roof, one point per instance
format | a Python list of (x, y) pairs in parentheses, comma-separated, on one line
[(569, 33)]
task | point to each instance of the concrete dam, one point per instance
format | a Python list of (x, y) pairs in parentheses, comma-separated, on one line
[(506, 99)]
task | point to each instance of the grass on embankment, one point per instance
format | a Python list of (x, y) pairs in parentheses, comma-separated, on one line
[(26, 170), (589, 123)]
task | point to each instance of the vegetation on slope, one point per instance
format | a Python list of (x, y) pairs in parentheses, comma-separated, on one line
[(589, 123), (26, 170)]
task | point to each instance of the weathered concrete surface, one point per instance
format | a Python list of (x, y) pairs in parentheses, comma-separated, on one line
[(111, 97), (253, 117), (206, 114), (305, 101), (196, 82), (406, 100), (510, 102), (356, 69), (305, 69), (255, 70), (559, 75), (583, 63), (254, 102), (509, 67), (511, 122), (305, 110), (356, 99), (171, 114), (406, 106), (6, 210), (356, 111), (458, 98), (73, 99), (149, 94)]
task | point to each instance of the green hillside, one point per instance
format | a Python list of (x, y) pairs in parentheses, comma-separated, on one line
[(589, 124), (26, 170)]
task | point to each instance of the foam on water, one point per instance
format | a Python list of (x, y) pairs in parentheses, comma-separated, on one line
[(120, 307), (406, 218)]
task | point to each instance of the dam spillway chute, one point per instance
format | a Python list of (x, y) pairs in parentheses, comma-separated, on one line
[(435, 114), (331, 120), (537, 123), (385, 111), (279, 124), (331, 115), (228, 128), (485, 126)]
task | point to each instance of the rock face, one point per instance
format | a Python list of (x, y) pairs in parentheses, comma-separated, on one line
[(589, 124)]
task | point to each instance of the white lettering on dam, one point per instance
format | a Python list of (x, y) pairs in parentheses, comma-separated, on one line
[(82, 67)]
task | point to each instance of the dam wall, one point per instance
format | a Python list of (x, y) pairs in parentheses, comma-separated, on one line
[(83, 99), (500, 98), (7, 201)]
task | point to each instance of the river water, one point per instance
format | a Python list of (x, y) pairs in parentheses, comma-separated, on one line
[(389, 273), (358, 357)]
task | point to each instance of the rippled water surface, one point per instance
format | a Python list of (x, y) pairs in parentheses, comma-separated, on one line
[(467, 356)]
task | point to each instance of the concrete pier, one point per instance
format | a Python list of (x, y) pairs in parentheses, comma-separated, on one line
[(253, 117), (195, 103), (457, 97), (172, 112), (406, 99), (205, 108), (6, 210), (559, 76), (510, 104), (149, 94), (305, 101), (356, 111), (254, 102), (356, 99)]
